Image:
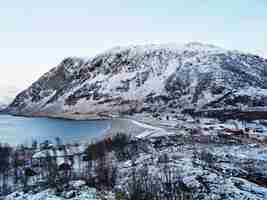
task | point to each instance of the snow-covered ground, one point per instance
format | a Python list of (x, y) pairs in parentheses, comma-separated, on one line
[(80, 193), (233, 168)]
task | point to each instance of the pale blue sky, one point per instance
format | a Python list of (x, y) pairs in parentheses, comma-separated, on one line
[(36, 35)]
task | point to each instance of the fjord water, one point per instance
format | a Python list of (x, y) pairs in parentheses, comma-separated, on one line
[(23, 130)]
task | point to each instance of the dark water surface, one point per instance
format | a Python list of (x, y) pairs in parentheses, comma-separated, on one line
[(23, 130)]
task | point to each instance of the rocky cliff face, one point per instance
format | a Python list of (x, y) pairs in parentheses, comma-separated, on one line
[(152, 78)]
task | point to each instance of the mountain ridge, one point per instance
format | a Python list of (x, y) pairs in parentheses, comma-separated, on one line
[(148, 78)]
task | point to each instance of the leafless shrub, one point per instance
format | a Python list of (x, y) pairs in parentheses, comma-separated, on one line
[(166, 186)]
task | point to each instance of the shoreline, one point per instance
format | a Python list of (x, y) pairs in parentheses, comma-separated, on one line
[(118, 124), (127, 126)]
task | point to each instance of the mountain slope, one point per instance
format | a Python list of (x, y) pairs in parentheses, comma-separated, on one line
[(153, 78)]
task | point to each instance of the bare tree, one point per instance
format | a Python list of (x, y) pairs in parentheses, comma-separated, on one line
[(51, 169), (16, 163), (5, 153)]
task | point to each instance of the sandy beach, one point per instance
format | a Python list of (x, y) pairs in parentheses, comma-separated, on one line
[(120, 125)]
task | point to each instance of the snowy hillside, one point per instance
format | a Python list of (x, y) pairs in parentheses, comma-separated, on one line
[(152, 78)]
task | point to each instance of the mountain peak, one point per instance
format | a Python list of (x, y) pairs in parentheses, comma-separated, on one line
[(199, 45), (175, 47)]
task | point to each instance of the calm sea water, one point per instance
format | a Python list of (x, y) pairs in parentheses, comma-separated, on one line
[(22, 130)]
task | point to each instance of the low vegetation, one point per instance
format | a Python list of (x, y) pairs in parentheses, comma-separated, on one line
[(55, 167), (133, 169)]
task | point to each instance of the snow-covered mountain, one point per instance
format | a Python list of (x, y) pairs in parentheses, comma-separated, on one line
[(152, 78)]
